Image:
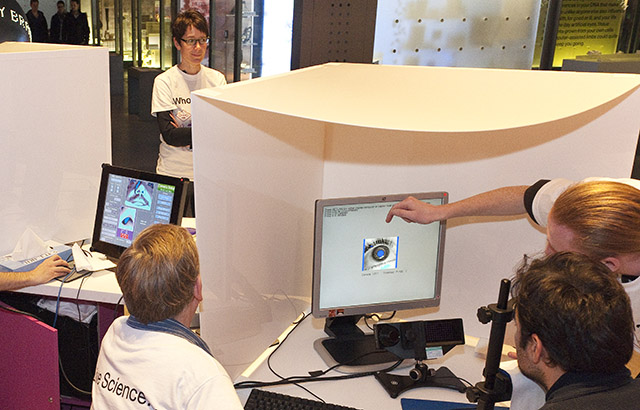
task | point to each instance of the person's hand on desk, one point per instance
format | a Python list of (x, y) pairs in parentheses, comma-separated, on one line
[(414, 210), (51, 268)]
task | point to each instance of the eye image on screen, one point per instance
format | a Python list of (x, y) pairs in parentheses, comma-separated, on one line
[(126, 222), (139, 194), (380, 253)]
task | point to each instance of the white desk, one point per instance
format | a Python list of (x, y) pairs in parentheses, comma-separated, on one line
[(297, 356), (100, 286)]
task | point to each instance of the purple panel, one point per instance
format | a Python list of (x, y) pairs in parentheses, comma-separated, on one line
[(29, 376)]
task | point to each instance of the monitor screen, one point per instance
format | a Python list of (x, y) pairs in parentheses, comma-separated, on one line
[(129, 201), (364, 265)]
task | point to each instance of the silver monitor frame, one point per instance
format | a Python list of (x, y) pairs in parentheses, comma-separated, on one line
[(376, 307)]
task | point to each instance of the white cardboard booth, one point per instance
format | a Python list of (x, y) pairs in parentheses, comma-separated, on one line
[(56, 131), (266, 149)]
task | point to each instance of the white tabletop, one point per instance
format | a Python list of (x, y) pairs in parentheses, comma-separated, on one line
[(100, 286), (297, 356)]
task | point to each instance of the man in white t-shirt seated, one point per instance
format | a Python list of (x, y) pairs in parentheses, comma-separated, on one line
[(152, 359)]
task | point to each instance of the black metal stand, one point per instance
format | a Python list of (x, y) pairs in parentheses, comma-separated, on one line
[(550, 34), (420, 376), (496, 386)]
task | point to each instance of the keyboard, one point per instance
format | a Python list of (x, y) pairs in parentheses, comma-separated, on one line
[(267, 400)]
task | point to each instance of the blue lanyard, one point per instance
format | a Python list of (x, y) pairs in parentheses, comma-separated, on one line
[(173, 327)]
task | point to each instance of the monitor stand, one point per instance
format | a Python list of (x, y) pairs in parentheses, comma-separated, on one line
[(351, 347)]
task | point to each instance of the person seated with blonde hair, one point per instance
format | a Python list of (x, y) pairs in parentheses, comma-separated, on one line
[(597, 217), (151, 357)]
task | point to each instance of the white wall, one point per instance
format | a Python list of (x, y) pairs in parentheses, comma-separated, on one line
[(56, 131), (464, 33)]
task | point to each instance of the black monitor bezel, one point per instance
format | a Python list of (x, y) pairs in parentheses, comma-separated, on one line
[(177, 208), (320, 204)]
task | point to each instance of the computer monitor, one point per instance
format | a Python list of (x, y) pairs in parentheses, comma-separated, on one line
[(130, 200), (363, 265)]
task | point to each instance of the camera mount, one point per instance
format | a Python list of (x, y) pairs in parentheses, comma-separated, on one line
[(497, 385), (420, 376), (415, 340)]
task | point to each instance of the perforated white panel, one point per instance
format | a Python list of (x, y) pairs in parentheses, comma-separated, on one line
[(460, 33)]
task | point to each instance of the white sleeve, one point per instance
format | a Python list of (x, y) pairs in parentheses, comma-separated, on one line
[(161, 99), (546, 197), (213, 78)]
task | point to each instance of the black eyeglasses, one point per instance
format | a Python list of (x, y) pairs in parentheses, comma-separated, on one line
[(192, 41)]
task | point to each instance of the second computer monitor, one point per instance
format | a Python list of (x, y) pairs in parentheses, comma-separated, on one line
[(129, 201)]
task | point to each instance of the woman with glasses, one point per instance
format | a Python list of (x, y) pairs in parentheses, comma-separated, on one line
[(171, 100)]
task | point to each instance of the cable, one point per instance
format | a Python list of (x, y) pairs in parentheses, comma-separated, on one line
[(20, 312), (78, 299), (465, 381), (92, 350), (115, 311), (73, 386), (304, 316), (378, 318), (312, 377), (62, 282), (86, 326)]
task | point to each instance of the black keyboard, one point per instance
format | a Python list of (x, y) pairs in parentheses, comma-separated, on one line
[(267, 400)]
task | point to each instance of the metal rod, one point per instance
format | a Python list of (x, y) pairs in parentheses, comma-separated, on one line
[(139, 31), (550, 34), (496, 337), (237, 42)]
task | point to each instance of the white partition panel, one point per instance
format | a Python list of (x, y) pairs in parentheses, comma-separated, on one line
[(266, 149), (252, 260), (56, 131)]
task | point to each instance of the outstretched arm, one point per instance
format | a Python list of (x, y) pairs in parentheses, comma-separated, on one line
[(52, 267), (499, 202)]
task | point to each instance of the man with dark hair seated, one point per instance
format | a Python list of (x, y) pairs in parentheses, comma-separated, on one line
[(575, 333), (152, 358)]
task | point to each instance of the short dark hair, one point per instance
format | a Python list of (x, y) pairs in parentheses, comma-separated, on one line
[(158, 272), (578, 309), (189, 17), (60, 2)]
